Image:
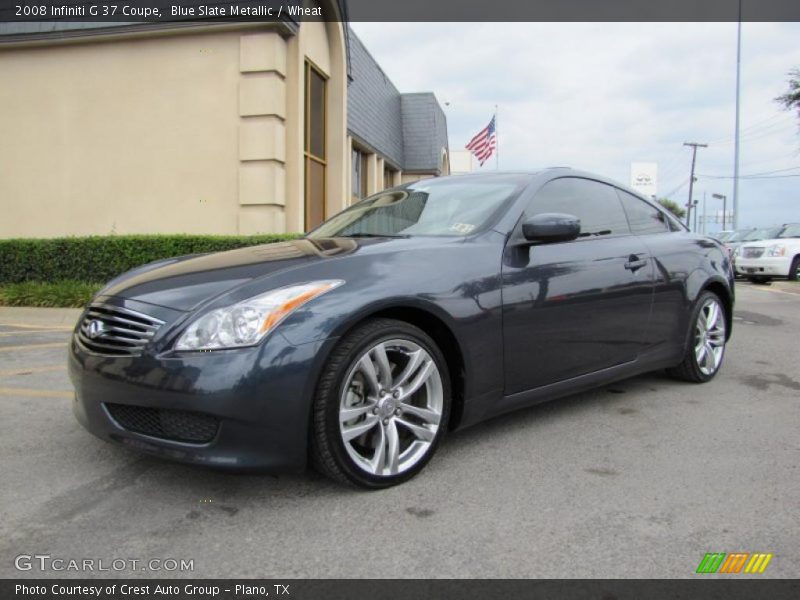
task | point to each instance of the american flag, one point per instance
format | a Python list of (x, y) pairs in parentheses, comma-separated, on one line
[(484, 143)]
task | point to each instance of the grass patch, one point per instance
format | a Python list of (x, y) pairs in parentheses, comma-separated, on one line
[(62, 294)]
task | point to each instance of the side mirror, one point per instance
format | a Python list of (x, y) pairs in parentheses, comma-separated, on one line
[(547, 228)]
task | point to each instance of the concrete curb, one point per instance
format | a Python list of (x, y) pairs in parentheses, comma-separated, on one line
[(55, 318)]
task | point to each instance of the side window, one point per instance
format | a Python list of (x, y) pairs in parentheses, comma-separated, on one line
[(643, 218), (595, 204)]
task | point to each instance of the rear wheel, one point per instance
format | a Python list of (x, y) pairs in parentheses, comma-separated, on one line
[(382, 405), (706, 350), (794, 270)]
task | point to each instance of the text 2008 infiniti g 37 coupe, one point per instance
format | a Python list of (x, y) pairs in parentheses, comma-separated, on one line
[(425, 308)]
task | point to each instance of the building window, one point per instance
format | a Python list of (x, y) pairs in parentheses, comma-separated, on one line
[(355, 175), (388, 178), (358, 176), (364, 171), (314, 150)]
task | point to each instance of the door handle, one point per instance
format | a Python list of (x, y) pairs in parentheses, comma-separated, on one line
[(634, 262)]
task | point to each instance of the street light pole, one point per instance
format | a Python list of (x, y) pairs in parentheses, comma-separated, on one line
[(724, 199), (705, 215), (694, 146)]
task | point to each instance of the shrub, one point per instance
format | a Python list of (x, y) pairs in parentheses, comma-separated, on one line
[(101, 258)]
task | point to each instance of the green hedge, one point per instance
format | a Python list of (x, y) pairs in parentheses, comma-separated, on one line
[(100, 258)]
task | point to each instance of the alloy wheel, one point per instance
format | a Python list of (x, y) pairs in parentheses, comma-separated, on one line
[(391, 407), (709, 343)]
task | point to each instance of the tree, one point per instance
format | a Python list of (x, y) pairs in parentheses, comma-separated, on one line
[(791, 99), (672, 207)]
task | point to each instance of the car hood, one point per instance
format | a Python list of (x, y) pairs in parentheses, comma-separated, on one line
[(185, 284), (763, 243)]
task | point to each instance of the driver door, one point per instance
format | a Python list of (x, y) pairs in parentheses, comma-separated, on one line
[(573, 308)]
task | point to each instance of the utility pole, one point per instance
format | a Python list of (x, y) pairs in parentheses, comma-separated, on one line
[(736, 142), (694, 146)]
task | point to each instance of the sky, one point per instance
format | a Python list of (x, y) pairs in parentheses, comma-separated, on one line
[(598, 96)]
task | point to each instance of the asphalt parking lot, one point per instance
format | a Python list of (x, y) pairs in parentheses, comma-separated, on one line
[(638, 479)]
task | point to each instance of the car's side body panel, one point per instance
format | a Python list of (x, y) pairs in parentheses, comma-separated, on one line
[(573, 308)]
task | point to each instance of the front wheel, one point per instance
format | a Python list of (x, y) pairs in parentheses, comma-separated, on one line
[(382, 405), (794, 270), (708, 336)]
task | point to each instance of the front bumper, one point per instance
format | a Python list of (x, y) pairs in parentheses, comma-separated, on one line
[(260, 398), (777, 266)]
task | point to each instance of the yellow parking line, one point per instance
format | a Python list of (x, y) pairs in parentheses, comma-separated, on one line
[(32, 346), (31, 371), (773, 290), (33, 326), (30, 393)]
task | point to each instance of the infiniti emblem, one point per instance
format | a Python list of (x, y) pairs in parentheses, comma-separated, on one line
[(95, 329)]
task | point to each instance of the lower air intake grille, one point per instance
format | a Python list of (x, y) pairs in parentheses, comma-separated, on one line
[(175, 425)]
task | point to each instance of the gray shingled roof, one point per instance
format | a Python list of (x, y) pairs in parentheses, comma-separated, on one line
[(408, 129), (373, 105), (424, 132)]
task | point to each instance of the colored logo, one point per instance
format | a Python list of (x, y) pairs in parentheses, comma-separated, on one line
[(735, 562)]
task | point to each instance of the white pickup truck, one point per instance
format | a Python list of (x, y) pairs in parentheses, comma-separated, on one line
[(777, 257)]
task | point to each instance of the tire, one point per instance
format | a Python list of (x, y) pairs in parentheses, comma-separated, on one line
[(399, 407), (758, 280), (700, 365), (794, 270)]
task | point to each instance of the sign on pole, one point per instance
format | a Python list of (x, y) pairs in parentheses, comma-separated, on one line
[(644, 178), (727, 216)]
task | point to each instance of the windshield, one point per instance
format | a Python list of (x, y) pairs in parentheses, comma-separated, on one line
[(790, 231), (725, 236), (739, 235), (454, 206), (762, 234)]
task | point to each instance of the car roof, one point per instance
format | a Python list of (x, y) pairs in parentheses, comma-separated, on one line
[(547, 172)]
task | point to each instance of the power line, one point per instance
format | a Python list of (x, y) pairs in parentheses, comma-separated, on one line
[(774, 129), (756, 128), (677, 189), (750, 174), (748, 177), (771, 172)]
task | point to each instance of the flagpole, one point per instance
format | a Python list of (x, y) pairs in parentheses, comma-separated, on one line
[(496, 142)]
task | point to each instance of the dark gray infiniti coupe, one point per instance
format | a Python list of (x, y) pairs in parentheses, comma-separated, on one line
[(420, 310)]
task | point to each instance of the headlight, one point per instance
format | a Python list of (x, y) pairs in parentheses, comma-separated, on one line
[(247, 322), (776, 250)]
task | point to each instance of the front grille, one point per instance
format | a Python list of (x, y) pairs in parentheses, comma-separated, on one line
[(175, 425), (114, 331), (752, 252)]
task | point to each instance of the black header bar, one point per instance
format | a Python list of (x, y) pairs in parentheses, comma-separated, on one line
[(165, 11)]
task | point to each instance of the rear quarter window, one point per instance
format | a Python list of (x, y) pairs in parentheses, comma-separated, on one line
[(643, 217)]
